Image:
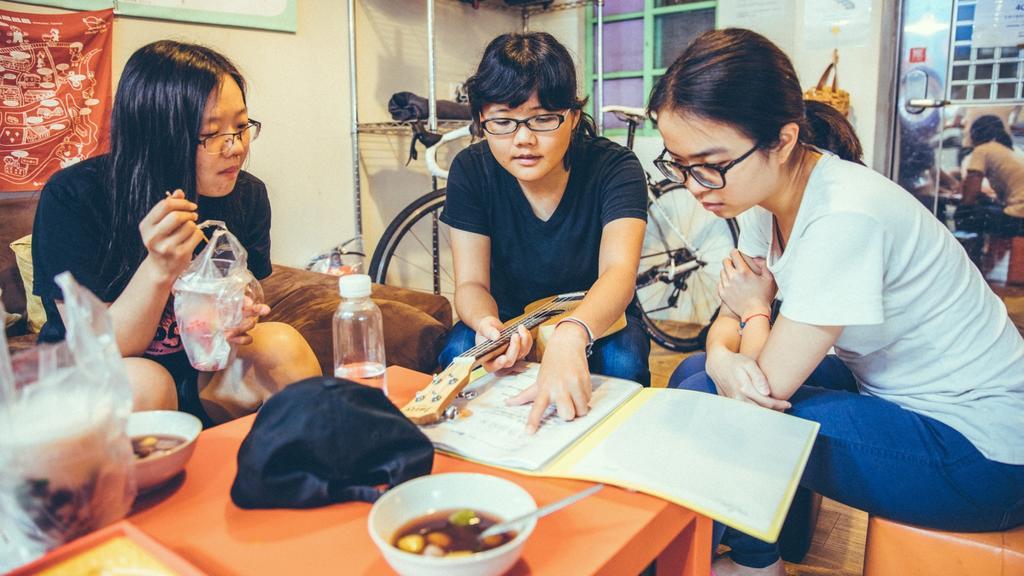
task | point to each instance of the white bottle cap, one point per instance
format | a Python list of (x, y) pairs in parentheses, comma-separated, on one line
[(354, 286)]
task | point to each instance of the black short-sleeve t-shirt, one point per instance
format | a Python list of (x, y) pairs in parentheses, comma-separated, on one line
[(533, 258), (71, 233)]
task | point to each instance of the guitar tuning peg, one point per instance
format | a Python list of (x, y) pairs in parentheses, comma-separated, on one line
[(420, 396), (436, 397), (451, 412), (467, 394)]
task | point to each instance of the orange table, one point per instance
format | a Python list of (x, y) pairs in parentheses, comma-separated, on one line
[(612, 532)]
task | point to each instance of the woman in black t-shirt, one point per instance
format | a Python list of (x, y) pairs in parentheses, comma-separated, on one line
[(180, 124), (540, 207)]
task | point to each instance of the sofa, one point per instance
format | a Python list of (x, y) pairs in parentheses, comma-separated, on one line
[(415, 323)]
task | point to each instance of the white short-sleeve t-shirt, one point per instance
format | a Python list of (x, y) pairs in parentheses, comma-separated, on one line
[(921, 328)]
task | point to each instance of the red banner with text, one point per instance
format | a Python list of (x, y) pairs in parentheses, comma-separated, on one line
[(55, 93)]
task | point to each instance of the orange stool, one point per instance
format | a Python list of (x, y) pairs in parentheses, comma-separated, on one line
[(1015, 272), (901, 550)]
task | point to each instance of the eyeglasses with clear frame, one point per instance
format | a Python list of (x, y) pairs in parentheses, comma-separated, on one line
[(540, 123), (223, 142), (710, 176)]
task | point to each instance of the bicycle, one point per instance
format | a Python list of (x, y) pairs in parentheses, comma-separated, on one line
[(679, 267)]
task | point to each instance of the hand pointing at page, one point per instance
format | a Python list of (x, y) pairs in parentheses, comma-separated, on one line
[(564, 378)]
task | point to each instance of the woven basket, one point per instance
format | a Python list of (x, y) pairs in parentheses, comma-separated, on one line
[(832, 95)]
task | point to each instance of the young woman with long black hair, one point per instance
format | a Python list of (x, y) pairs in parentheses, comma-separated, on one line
[(124, 224), (540, 207), (922, 406)]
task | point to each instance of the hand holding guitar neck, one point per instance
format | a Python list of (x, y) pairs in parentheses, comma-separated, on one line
[(430, 403), (519, 344)]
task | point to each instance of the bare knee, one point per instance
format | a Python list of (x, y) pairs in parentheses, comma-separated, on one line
[(153, 387), (280, 351)]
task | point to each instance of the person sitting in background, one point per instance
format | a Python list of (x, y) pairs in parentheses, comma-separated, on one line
[(993, 159), (922, 406), (180, 123)]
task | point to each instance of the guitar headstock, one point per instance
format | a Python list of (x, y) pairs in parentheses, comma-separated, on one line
[(430, 403)]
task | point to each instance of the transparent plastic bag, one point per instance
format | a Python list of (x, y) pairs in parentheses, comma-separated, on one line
[(345, 258), (209, 298), (65, 458)]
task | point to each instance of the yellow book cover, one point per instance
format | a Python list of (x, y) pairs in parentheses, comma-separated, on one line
[(731, 461)]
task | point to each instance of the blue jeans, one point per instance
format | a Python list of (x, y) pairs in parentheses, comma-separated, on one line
[(888, 461), (621, 355)]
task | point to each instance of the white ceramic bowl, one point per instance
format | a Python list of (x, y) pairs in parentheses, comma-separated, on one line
[(155, 470), (428, 494)]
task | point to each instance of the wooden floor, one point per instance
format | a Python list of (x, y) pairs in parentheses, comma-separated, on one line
[(837, 548)]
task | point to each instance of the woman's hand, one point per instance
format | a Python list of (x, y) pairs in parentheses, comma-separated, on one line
[(746, 288), (519, 344), (564, 378), (739, 377), (251, 314), (170, 235)]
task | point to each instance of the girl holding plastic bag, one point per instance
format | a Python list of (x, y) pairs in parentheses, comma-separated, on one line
[(125, 224)]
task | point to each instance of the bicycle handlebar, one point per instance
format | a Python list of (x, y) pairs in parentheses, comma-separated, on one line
[(431, 159)]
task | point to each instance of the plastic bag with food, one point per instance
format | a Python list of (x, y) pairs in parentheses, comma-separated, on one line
[(209, 298), (65, 458)]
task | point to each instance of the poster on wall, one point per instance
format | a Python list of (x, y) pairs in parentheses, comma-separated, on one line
[(55, 93), (771, 18), (998, 24), (836, 23), (265, 14)]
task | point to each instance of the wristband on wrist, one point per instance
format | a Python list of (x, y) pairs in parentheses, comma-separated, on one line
[(582, 324), (743, 323)]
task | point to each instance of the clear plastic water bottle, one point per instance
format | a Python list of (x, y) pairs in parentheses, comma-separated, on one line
[(358, 334)]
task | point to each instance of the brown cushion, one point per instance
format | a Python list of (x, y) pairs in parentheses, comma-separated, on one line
[(415, 323)]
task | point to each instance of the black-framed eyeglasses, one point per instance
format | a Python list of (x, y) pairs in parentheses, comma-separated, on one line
[(707, 175), (538, 123), (222, 142)]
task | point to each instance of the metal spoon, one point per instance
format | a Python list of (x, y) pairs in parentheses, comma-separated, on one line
[(540, 512)]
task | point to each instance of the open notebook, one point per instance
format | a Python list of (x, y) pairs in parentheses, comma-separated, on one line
[(734, 462)]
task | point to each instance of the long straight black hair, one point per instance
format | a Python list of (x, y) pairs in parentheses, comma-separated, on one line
[(516, 65), (739, 78), (154, 134)]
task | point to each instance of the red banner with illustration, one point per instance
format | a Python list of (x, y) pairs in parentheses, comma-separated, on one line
[(55, 93)]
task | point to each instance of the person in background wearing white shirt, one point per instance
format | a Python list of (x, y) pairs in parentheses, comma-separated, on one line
[(922, 406)]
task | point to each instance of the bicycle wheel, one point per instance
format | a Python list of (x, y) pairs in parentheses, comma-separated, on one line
[(679, 267), (415, 250)]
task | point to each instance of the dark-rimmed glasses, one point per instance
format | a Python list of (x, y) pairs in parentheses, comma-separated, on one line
[(538, 123), (710, 176), (222, 142)]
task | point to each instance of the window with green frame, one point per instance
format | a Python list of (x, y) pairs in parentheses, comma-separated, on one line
[(641, 39)]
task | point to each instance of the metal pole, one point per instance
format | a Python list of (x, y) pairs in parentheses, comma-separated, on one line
[(526, 20), (432, 57), (357, 199), (432, 122), (599, 95)]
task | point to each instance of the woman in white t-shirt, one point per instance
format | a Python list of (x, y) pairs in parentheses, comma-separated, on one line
[(922, 406)]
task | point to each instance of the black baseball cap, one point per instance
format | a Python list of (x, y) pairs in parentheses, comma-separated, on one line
[(325, 440)]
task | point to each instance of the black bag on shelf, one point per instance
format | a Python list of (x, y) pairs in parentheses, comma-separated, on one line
[(406, 107)]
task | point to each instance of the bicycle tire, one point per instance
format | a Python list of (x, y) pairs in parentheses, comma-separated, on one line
[(384, 255), (657, 329)]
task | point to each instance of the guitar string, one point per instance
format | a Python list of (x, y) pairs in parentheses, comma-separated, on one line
[(539, 314)]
